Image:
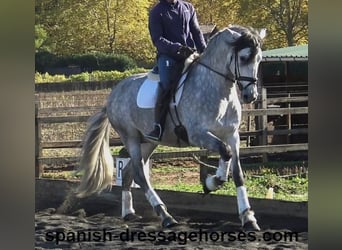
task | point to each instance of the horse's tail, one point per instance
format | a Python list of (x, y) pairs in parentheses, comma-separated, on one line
[(96, 164)]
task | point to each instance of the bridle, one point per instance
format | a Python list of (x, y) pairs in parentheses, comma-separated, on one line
[(237, 78)]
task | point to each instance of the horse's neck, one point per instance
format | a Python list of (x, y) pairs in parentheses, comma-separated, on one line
[(202, 79), (217, 59), (207, 78)]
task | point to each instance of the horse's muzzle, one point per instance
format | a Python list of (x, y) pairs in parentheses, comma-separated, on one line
[(249, 97)]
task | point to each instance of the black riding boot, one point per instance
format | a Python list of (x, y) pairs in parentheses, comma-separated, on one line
[(159, 115)]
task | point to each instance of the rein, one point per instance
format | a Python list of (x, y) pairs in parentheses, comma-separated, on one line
[(232, 77), (228, 77)]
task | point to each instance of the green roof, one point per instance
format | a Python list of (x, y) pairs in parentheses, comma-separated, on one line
[(293, 53)]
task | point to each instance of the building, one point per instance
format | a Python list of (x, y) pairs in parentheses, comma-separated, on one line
[(285, 71), (284, 74)]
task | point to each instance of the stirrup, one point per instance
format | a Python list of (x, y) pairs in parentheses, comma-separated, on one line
[(154, 134)]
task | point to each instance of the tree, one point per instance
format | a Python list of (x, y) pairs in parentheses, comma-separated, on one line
[(291, 17), (219, 12), (40, 37), (65, 27), (127, 29), (111, 26), (286, 21)]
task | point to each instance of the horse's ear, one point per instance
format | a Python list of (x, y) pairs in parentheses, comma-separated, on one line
[(213, 31), (262, 33), (233, 35)]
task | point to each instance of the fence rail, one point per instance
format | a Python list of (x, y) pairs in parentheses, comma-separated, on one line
[(200, 153), (81, 114)]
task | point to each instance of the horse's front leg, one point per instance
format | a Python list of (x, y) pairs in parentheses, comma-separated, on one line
[(209, 141), (215, 182), (246, 215)]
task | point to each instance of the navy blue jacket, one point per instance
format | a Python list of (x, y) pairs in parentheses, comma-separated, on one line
[(174, 25)]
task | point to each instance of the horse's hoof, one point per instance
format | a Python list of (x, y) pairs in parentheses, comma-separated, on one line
[(205, 189), (169, 222), (251, 226), (132, 217), (212, 183)]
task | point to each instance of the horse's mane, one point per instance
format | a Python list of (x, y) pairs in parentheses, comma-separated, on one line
[(249, 38)]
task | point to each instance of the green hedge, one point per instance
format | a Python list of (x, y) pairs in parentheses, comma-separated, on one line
[(86, 77), (87, 62)]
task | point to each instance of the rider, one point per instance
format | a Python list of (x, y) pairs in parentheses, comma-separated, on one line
[(175, 32)]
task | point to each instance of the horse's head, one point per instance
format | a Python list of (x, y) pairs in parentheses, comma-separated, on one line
[(244, 59)]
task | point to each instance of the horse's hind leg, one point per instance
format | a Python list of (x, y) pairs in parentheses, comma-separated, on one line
[(249, 222), (127, 210), (139, 155)]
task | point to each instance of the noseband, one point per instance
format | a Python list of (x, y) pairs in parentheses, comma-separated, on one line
[(233, 77), (240, 78)]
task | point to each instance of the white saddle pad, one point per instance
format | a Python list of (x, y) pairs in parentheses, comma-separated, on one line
[(147, 94)]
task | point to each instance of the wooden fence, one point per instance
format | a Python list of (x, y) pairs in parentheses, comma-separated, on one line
[(264, 109)]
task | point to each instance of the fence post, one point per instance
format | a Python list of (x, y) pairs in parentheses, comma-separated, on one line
[(38, 146), (289, 121), (249, 125), (264, 122)]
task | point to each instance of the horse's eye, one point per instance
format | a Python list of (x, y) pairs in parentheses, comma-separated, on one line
[(243, 59)]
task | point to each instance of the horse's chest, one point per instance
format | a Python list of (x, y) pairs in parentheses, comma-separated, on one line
[(228, 115)]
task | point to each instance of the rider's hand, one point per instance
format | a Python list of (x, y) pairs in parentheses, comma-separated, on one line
[(185, 51)]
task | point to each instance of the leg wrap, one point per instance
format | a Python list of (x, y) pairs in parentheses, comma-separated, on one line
[(126, 203), (222, 170), (242, 199), (153, 198), (213, 182)]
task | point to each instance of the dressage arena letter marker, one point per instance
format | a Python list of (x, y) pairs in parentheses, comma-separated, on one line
[(121, 163)]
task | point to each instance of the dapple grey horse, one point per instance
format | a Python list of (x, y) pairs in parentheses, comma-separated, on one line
[(224, 75)]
